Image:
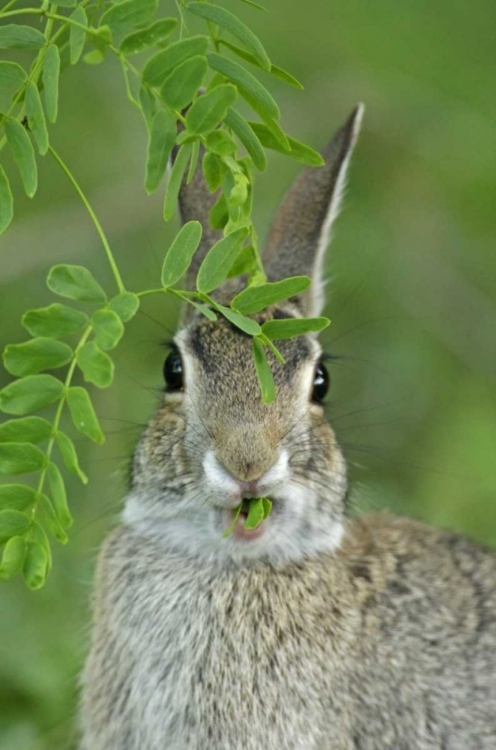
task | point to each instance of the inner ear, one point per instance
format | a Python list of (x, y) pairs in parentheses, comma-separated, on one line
[(302, 226)]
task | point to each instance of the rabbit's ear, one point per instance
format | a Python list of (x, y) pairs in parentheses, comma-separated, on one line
[(301, 230), (195, 202)]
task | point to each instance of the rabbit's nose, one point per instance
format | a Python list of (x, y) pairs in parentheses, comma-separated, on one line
[(247, 479)]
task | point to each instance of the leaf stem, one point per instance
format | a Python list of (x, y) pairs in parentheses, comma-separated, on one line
[(58, 413), (94, 218)]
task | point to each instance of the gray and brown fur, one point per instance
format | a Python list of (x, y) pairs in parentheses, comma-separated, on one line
[(324, 634)]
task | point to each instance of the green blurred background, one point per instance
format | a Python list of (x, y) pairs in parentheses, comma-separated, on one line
[(412, 291)]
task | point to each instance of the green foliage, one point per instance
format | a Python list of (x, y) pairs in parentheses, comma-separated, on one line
[(199, 126)]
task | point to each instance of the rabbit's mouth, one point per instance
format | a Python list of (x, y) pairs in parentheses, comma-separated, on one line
[(238, 530)]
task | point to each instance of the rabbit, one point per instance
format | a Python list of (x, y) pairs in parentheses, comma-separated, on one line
[(315, 631)]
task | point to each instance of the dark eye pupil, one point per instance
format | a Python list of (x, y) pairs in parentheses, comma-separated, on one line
[(320, 383), (173, 371)]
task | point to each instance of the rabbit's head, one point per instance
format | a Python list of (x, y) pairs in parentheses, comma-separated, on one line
[(213, 443)]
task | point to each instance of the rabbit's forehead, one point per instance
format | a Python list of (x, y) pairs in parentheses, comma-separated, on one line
[(219, 354)]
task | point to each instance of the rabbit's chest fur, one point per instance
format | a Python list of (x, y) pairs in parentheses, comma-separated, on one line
[(189, 656)]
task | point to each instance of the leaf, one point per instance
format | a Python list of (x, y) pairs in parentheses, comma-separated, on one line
[(220, 142), (20, 458), (289, 327), (182, 84), (245, 262), (36, 117), (83, 414), (255, 513), (6, 202), (219, 215), (248, 86), (12, 558), (193, 164), (39, 536), (51, 73), (161, 65), (35, 355), (299, 151), (35, 567), (23, 153), (276, 132), (163, 133), (208, 110), (12, 523), (16, 496), (264, 374), (69, 455), (51, 521), (247, 325), (148, 105), (204, 309), (75, 282), (108, 328), (126, 305), (239, 192), (274, 70), (248, 138), (257, 298), (77, 36), (128, 15), (267, 507), (176, 177), (229, 530), (255, 5), (180, 253), (14, 36), (94, 57), (213, 170), (59, 496), (219, 259), (234, 26), (67, 3), (96, 366), (55, 321), (30, 394), (12, 76), (28, 429), (145, 38)]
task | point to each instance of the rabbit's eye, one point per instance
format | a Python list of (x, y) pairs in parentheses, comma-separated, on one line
[(320, 382), (173, 371)]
